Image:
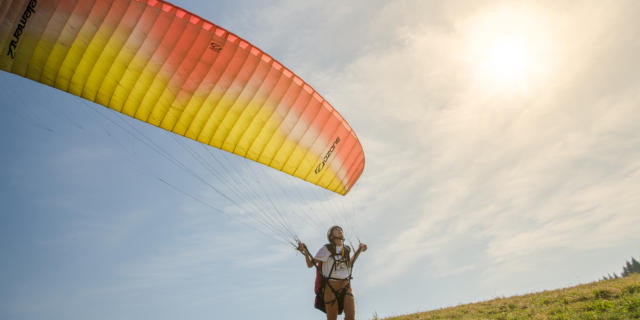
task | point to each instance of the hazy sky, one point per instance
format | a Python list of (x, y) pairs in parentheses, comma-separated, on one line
[(502, 149)]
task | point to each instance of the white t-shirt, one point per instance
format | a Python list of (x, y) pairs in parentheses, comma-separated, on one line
[(340, 271)]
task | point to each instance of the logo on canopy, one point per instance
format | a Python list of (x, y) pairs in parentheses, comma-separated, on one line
[(322, 164)]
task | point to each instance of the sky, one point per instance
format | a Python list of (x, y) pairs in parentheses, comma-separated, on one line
[(502, 157)]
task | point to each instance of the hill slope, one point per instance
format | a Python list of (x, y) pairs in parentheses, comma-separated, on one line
[(607, 299)]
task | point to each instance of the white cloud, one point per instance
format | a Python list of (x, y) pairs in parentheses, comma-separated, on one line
[(552, 168)]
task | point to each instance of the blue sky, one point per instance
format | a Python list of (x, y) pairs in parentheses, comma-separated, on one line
[(502, 158)]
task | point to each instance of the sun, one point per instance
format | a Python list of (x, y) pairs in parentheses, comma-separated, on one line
[(507, 49), (508, 58)]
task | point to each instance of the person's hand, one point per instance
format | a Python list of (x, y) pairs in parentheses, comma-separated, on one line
[(301, 246), (362, 247)]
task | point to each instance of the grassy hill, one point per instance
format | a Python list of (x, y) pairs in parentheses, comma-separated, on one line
[(607, 299)]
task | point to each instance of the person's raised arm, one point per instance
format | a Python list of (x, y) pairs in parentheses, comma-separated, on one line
[(307, 256), (361, 248)]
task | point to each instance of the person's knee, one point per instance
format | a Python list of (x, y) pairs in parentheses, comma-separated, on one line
[(331, 310), (349, 314), (332, 314), (349, 308)]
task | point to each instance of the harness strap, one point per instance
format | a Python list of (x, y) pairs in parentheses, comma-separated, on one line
[(338, 296)]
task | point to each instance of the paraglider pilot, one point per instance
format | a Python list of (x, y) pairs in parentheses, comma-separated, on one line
[(334, 265)]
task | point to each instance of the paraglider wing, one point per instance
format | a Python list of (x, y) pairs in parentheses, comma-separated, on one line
[(168, 67)]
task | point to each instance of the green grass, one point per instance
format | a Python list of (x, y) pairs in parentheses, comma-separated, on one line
[(602, 300)]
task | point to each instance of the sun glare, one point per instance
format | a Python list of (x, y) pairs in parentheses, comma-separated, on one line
[(507, 49), (507, 57)]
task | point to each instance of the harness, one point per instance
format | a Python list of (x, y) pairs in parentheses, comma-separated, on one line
[(322, 282)]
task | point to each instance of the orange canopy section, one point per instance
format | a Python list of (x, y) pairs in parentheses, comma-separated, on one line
[(168, 67)]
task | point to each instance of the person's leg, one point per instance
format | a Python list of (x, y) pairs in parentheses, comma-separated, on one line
[(349, 305), (330, 303)]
